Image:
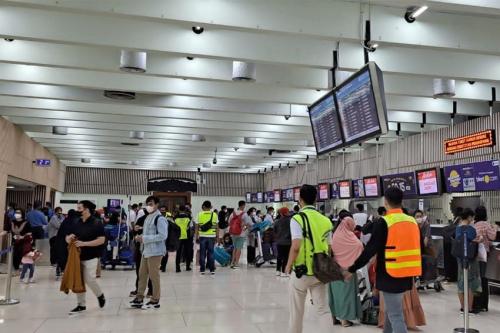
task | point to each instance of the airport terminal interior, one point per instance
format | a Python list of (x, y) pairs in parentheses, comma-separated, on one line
[(249, 166)]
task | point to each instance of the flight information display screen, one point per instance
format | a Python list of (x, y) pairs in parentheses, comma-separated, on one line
[(325, 125), (372, 188), (345, 189), (357, 108), (429, 182)]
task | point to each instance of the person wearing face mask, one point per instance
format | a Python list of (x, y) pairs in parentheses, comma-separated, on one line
[(20, 229), (88, 235), (253, 218), (424, 226), (152, 240), (54, 225)]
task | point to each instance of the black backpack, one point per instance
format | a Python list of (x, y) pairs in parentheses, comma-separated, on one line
[(223, 223), (174, 233)]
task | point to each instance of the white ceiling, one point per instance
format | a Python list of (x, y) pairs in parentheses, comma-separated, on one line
[(66, 52)]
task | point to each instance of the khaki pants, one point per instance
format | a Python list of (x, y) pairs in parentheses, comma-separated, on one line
[(298, 293), (150, 268), (88, 271)]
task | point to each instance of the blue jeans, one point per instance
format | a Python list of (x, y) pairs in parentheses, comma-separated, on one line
[(31, 267), (207, 245), (394, 319)]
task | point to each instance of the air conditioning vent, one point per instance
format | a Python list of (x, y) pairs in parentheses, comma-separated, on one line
[(120, 95), (134, 144)]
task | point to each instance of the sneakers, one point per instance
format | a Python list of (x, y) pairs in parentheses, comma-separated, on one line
[(136, 303), (188, 269), (278, 273), (133, 293), (212, 273), (77, 310), (151, 305), (178, 270), (235, 267), (285, 275), (202, 273), (32, 280), (101, 300)]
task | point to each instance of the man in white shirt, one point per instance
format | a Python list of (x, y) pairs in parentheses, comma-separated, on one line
[(360, 217), (132, 216), (270, 215)]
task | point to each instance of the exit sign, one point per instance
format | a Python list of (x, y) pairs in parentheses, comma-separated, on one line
[(42, 163)]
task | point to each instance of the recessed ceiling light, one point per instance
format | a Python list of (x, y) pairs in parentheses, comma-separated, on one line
[(189, 58), (138, 135), (250, 141), (413, 12), (198, 30)]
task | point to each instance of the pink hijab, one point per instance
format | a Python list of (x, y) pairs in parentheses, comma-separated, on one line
[(345, 245)]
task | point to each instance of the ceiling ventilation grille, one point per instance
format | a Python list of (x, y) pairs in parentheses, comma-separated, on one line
[(120, 95)]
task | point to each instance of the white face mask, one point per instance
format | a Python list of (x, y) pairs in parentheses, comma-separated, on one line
[(150, 209), (18, 216)]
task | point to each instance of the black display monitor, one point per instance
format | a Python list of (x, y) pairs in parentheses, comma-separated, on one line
[(325, 124), (248, 197), (361, 105), (277, 196), (345, 189), (429, 181), (323, 191), (296, 194), (260, 197)]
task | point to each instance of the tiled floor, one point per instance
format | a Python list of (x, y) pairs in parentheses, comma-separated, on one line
[(244, 301)]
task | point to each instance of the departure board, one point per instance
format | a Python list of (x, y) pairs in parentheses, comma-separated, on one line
[(325, 124), (357, 108)]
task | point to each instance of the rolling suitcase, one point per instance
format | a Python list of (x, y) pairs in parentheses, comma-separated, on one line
[(221, 256)]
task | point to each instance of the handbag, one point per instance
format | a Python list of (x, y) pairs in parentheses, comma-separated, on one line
[(207, 226), (325, 268)]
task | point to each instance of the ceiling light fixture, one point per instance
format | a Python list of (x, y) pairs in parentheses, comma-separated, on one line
[(198, 30), (10, 187), (244, 71), (172, 164), (85, 160), (59, 130), (413, 12), (250, 141), (214, 161), (198, 138), (133, 61), (443, 88), (137, 135)]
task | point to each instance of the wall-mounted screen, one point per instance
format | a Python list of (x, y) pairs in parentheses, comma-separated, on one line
[(358, 188), (289, 194), (345, 189), (260, 197), (334, 190), (270, 196), (325, 124), (253, 197), (372, 186), (277, 195), (361, 105), (404, 181), (248, 197), (429, 181), (296, 194), (324, 191), (481, 176)]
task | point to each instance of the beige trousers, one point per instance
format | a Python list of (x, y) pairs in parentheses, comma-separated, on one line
[(298, 293), (150, 268)]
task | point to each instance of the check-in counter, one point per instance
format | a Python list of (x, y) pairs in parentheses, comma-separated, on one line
[(493, 266)]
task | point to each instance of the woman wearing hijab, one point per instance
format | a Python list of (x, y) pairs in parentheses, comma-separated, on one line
[(345, 304)]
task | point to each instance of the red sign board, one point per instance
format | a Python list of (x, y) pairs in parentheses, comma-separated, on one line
[(470, 142)]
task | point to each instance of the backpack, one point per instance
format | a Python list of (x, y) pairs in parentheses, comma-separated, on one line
[(174, 233), (223, 221), (236, 224)]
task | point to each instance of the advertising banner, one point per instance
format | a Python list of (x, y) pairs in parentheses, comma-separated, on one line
[(481, 176), (405, 181)]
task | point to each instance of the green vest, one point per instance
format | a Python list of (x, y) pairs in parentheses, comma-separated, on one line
[(321, 228), (183, 223), (204, 217)]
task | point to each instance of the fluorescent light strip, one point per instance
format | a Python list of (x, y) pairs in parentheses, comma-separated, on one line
[(419, 12)]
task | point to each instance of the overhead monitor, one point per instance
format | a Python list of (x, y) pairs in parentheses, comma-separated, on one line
[(325, 124), (248, 197), (296, 194), (345, 189), (324, 191), (404, 181), (334, 190), (270, 196), (429, 181), (260, 197), (253, 197), (289, 194), (372, 186), (277, 195), (266, 196), (358, 188), (361, 105)]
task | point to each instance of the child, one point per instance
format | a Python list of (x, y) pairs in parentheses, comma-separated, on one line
[(28, 262), (228, 244)]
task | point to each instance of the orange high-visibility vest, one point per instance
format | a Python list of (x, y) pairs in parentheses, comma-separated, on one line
[(402, 250)]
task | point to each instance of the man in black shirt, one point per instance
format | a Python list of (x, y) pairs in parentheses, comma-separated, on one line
[(88, 235), (392, 288)]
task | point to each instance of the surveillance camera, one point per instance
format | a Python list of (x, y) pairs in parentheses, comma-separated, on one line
[(287, 117), (214, 161), (236, 148)]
